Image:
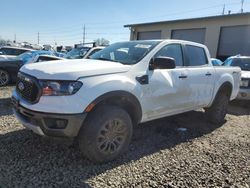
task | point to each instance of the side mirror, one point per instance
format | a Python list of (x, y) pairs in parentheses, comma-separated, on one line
[(162, 63)]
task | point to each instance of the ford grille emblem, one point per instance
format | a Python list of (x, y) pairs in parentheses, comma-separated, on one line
[(21, 86)]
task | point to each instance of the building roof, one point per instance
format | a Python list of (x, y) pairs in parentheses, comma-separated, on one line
[(190, 19)]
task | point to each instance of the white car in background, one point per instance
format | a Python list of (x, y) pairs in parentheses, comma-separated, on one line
[(244, 63)]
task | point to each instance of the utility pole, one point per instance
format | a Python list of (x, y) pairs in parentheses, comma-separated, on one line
[(15, 38), (242, 4), (83, 34), (223, 11), (38, 38)]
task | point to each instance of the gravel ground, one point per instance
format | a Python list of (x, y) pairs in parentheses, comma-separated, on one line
[(160, 155)]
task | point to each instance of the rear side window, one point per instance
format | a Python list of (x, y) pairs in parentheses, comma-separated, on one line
[(196, 56), (173, 51), (243, 63)]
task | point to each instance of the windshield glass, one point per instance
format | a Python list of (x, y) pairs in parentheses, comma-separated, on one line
[(244, 64), (125, 52), (77, 53)]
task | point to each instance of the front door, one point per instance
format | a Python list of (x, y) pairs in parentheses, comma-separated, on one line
[(168, 91)]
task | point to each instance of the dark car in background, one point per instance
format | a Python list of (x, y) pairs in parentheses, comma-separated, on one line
[(9, 68), (7, 52), (244, 63)]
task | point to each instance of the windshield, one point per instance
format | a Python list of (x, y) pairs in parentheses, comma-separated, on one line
[(125, 52), (244, 64), (77, 53)]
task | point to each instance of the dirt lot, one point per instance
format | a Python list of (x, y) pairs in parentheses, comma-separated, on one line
[(160, 154)]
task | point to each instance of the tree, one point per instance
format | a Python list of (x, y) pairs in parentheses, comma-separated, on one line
[(101, 42), (3, 42)]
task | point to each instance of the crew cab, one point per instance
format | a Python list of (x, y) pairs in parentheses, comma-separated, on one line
[(99, 100)]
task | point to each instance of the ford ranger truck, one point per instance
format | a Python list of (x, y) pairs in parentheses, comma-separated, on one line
[(99, 100)]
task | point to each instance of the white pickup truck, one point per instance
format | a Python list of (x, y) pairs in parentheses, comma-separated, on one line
[(99, 100)]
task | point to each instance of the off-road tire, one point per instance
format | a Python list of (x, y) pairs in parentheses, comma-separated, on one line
[(4, 78), (105, 123), (217, 112)]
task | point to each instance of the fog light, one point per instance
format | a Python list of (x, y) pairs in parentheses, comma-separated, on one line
[(56, 123)]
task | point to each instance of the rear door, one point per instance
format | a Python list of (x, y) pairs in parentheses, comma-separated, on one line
[(200, 76)]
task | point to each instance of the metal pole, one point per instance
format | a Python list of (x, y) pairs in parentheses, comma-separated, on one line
[(38, 38), (83, 34)]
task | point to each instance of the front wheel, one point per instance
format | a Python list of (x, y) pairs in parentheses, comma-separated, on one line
[(106, 134), (217, 112), (4, 78)]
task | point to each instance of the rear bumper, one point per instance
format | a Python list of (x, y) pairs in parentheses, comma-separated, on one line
[(46, 124), (244, 94)]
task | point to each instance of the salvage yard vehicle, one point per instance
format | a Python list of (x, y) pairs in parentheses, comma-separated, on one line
[(8, 52), (99, 100), (9, 68), (82, 52), (244, 63)]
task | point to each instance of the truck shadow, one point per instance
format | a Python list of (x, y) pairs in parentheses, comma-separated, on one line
[(239, 108), (25, 153)]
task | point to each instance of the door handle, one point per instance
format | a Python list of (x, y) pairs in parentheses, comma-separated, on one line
[(183, 76), (208, 74)]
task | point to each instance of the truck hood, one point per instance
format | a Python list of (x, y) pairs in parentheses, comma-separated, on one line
[(245, 74), (72, 69)]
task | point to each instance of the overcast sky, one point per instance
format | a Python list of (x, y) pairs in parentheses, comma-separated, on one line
[(62, 21)]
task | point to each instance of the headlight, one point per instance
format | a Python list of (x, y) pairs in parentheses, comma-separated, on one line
[(60, 88), (244, 83)]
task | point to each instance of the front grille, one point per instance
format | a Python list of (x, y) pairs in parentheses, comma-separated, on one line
[(27, 87)]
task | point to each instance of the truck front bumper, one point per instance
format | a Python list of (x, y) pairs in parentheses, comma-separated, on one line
[(48, 124), (244, 94)]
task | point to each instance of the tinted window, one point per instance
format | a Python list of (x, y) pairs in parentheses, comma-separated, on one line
[(174, 51), (196, 55), (7, 51), (12, 51), (244, 64)]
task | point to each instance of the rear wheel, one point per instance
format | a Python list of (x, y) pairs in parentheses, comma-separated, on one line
[(106, 134), (4, 77), (217, 112)]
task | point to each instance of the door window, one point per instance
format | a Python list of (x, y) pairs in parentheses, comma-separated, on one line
[(196, 55), (173, 51)]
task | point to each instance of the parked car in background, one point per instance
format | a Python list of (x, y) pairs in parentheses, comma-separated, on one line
[(9, 68), (82, 52), (125, 84), (244, 63), (216, 62), (7, 52)]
